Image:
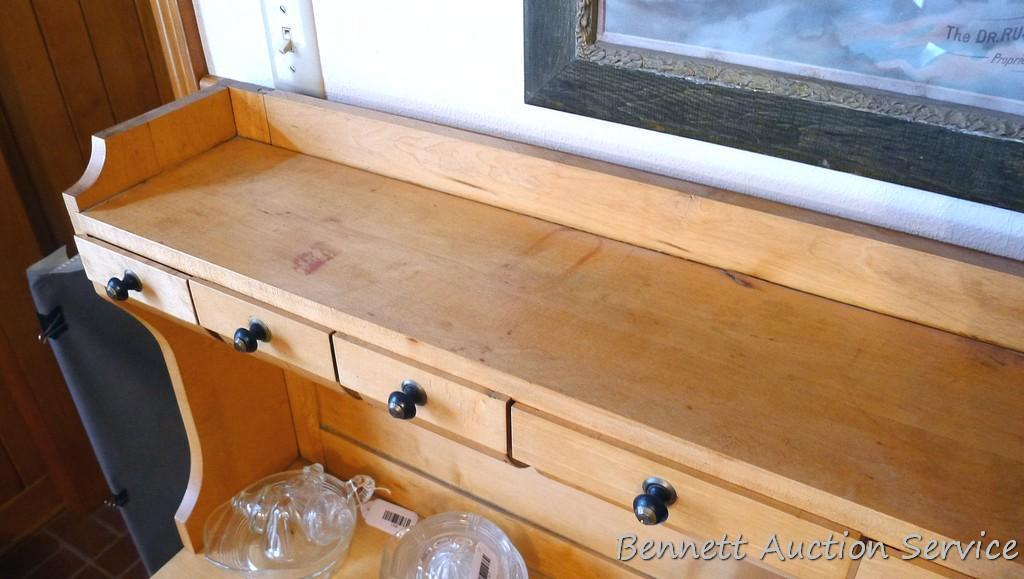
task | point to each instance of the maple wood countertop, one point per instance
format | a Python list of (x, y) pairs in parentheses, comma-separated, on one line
[(827, 406)]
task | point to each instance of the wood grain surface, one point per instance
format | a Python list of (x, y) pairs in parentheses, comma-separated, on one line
[(143, 146), (864, 419), (706, 509), (546, 553), (236, 416), (293, 341), (896, 568), (162, 288), (939, 285), (466, 410), (577, 516)]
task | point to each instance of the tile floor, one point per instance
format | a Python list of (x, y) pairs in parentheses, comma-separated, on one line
[(93, 546)]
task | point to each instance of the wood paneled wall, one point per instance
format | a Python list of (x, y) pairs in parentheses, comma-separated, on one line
[(43, 447), (70, 68)]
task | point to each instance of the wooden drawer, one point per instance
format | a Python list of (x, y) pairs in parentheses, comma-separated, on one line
[(455, 406), (705, 508), (294, 341), (162, 287), (566, 512), (897, 568)]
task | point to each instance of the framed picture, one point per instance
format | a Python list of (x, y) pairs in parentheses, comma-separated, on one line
[(925, 93)]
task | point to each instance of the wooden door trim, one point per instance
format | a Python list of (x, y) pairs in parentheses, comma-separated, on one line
[(178, 33)]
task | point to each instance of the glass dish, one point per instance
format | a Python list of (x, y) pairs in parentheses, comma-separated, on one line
[(452, 546), (288, 525)]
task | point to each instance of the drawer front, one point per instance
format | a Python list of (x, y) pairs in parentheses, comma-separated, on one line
[(896, 568), (703, 510), (466, 410), (292, 340), (162, 288), (566, 512)]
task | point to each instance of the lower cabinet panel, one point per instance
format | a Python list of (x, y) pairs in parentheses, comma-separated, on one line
[(544, 552), (561, 532)]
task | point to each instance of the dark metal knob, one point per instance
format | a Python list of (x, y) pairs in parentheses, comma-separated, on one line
[(402, 403), (651, 508), (248, 339), (118, 288)]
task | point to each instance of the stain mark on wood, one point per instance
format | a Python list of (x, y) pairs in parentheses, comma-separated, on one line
[(535, 247), (585, 258), (308, 262)]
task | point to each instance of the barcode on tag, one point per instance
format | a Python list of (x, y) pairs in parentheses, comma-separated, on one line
[(388, 517), (485, 567), (484, 562), (397, 519)]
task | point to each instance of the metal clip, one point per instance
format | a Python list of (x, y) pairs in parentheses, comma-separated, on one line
[(52, 324), (118, 500)]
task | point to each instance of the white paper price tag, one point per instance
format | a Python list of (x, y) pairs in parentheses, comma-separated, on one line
[(388, 517)]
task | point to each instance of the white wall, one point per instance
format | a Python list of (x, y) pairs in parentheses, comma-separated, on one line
[(460, 62), (234, 40)]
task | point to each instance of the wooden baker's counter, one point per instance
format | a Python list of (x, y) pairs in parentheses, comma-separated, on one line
[(572, 364)]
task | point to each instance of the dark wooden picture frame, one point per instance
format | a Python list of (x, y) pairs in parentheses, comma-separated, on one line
[(956, 150)]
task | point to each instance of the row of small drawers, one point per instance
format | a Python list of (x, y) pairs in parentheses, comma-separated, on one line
[(462, 408), (467, 412)]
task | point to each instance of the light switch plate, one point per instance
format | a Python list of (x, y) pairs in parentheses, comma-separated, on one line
[(291, 38)]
